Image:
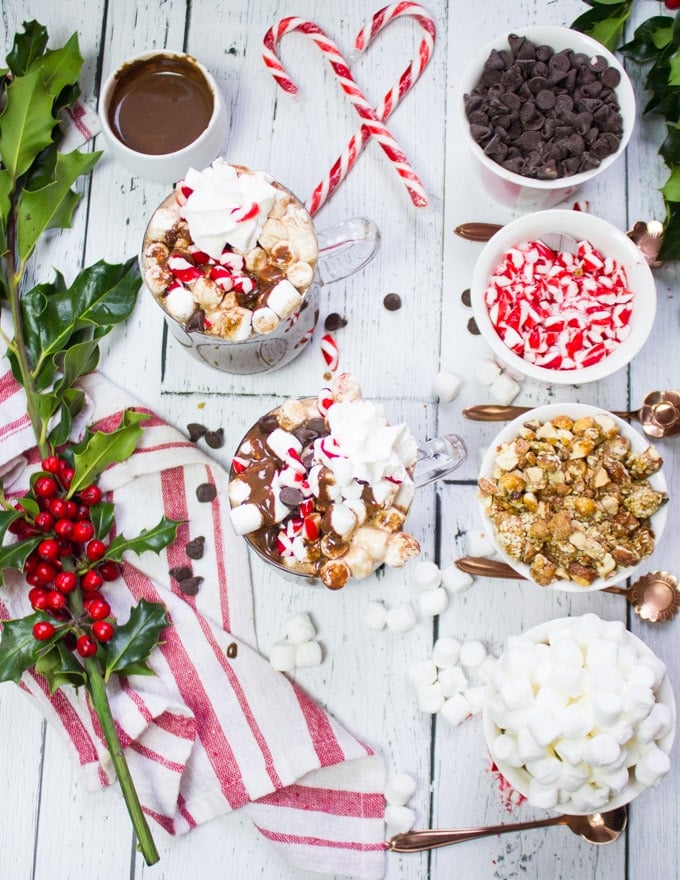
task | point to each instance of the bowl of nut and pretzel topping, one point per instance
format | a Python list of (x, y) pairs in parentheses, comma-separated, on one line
[(575, 498)]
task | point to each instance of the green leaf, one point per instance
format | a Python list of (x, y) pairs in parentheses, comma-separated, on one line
[(27, 123), (102, 516), (78, 360), (61, 67), (27, 47), (670, 148), (104, 449), (671, 189), (7, 517), (18, 648), (72, 400), (129, 649), (14, 555), (59, 665), (670, 247), (154, 539), (674, 73), (105, 294), (53, 205), (605, 22)]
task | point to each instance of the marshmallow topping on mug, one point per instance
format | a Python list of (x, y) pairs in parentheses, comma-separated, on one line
[(230, 252), (322, 486)]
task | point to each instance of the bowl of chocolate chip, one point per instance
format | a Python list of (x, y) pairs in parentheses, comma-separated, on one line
[(544, 110), (320, 487), (574, 496)]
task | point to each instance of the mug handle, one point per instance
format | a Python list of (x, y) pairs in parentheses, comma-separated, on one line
[(438, 458), (346, 248)]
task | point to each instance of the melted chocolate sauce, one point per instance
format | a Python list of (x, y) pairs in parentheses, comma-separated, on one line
[(160, 105)]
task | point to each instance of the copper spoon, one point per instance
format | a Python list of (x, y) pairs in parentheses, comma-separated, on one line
[(597, 828), (655, 596), (659, 413)]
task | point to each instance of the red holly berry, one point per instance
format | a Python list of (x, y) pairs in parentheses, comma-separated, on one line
[(56, 600), (45, 487), (44, 521), (58, 507), (103, 630), (86, 646), (95, 550), (98, 608), (65, 547), (91, 580), (38, 598), (82, 531), (43, 630), (33, 580), (63, 528), (31, 562), (672, 4), (45, 572), (48, 549), (51, 464), (91, 495), (66, 581), (66, 476), (82, 514), (109, 570)]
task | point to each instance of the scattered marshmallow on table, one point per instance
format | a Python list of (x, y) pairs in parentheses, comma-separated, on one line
[(446, 386), (282, 656), (400, 618), (400, 789), (487, 371), (480, 544), (426, 575), (375, 615), (299, 650), (308, 654), (433, 602), (399, 819), (299, 628), (504, 389), (456, 580), (445, 651)]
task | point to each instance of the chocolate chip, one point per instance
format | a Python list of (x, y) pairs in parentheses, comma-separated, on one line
[(268, 423), (206, 492), (304, 435), (598, 64), (318, 426), (232, 650), (291, 497), (215, 439), (189, 586), (195, 548), (472, 327), (465, 297), (545, 99), (196, 322), (195, 431), (610, 77), (334, 321), (180, 572), (392, 302)]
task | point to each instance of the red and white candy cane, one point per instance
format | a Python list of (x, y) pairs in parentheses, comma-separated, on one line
[(371, 123), (345, 162)]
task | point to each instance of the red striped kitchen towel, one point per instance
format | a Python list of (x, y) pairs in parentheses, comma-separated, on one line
[(211, 732)]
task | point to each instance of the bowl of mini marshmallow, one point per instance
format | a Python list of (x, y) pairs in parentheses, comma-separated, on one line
[(579, 715)]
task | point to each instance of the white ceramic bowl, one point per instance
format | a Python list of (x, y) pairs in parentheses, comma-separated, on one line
[(607, 239), (520, 778), (525, 193), (575, 411)]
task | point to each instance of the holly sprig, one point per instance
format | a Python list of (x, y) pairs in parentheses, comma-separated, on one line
[(62, 524), (655, 42)]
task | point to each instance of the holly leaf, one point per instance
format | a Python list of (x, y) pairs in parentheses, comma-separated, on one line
[(60, 67), (101, 516), (154, 539), (605, 21), (59, 665), (651, 36), (129, 649), (19, 650), (27, 47), (27, 123), (670, 247), (72, 400), (7, 517), (671, 189), (52, 206), (14, 555), (103, 449)]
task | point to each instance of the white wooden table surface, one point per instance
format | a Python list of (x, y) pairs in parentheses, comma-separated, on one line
[(49, 826)]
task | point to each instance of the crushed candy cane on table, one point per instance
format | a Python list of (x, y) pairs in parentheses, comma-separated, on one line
[(559, 310)]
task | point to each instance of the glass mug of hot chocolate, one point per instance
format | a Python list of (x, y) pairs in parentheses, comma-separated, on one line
[(321, 487), (234, 261)]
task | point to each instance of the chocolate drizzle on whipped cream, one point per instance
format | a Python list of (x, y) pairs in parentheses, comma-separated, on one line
[(322, 486)]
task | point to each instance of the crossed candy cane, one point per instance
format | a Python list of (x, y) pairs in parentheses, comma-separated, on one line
[(372, 120)]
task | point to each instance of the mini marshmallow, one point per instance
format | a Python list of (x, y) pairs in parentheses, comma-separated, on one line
[(627, 659), (265, 320), (283, 298), (504, 389), (399, 818), (657, 666), (566, 651), (638, 701), (504, 748), (545, 771), (614, 780), (375, 615), (453, 680), (456, 580), (480, 544), (433, 602), (602, 651), (246, 518), (544, 729), (400, 788), (622, 731), (607, 708), (517, 693), (475, 697), (601, 750), (455, 710), (426, 575), (642, 675), (573, 776), (574, 721), (282, 656), (590, 798), (299, 628), (400, 619), (657, 724), (586, 628), (549, 700), (652, 766), (487, 371), (604, 676), (422, 673), (180, 303), (486, 670), (570, 750), (543, 796), (518, 661), (431, 697), (280, 441), (445, 651), (614, 630), (472, 654), (527, 747), (568, 679), (308, 654), (446, 386)]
